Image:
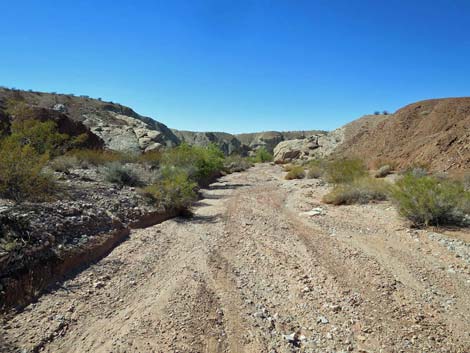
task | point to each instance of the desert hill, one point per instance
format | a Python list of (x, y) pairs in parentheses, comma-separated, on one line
[(433, 132)]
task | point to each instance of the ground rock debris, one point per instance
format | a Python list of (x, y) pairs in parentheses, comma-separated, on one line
[(251, 273)]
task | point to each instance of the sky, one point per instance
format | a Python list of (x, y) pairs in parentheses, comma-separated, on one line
[(241, 65)]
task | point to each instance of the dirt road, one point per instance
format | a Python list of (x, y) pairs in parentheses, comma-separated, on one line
[(263, 267)]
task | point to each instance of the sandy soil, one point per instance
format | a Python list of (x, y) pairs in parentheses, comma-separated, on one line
[(257, 270)]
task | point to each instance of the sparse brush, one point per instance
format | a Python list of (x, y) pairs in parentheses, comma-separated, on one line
[(173, 190), (344, 170), (466, 181), (295, 172), (122, 175), (261, 156), (153, 158), (316, 168), (21, 172), (199, 162), (287, 167), (64, 163), (383, 171), (236, 163), (427, 200), (361, 191), (89, 158)]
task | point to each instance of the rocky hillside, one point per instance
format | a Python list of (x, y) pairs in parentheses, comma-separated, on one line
[(433, 132), (120, 127), (270, 139), (228, 143), (243, 143)]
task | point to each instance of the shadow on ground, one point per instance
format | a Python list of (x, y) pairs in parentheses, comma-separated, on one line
[(226, 186), (198, 219)]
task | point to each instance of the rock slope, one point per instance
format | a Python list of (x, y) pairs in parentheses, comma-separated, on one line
[(120, 127), (433, 132)]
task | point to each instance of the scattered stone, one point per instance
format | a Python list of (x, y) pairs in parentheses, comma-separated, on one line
[(322, 320)]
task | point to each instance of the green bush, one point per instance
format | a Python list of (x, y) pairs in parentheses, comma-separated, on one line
[(344, 170), (362, 190), (21, 172), (119, 174), (173, 190), (295, 172), (426, 200), (197, 162), (261, 156), (42, 136), (236, 163)]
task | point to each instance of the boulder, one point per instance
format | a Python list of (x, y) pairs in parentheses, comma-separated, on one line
[(290, 150)]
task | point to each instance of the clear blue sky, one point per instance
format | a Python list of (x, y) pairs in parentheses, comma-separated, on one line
[(241, 65)]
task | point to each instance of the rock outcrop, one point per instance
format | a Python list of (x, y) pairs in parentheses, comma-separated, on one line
[(270, 139), (119, 127), (316, 146), (228, 143)]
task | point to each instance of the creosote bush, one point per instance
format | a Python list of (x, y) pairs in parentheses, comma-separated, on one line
[(152, 158), (261, 156), (362, 190), (64, 163), (122, 175), (236, 163), (90, 157), (173, 190), (295, 172), (197, 162), (316, 168), (344, 170), (21, 172), (427, 200)]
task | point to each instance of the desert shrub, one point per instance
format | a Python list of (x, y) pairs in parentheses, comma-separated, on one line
[(418, 170), (295, 172), (383, 171), (287, 167), (64, 163), (236, 163), (362, 190), (42, 136), (198, 162), (466, 181), (173, 190), (344, 170), (315, 168), (90, 157), (261, 156), (426, 200), (119, 174), (21, 172), (314, 172), (152, 158)]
